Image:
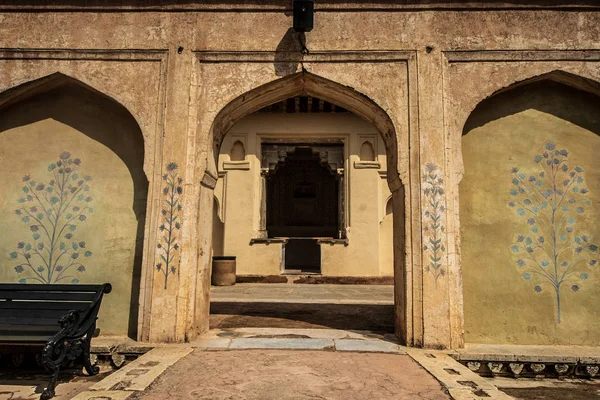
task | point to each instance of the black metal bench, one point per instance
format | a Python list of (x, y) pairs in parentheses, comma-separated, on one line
[(61, 318)]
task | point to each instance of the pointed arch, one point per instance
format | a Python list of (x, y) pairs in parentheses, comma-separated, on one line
[(308, 84), (557, 77), (507, 141), (58, 117)]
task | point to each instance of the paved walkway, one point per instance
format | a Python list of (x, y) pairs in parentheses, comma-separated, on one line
[(306, 294), (287, 375)]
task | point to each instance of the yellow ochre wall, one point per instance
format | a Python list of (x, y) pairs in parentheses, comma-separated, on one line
[(366, 191), (73, 133), (508, 298)]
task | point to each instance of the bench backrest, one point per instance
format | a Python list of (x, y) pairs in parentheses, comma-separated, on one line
[(32, 311)]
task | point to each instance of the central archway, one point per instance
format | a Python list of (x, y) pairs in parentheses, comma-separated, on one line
[(311, 85)]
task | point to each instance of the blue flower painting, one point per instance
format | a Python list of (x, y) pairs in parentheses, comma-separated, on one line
[(53, 210), (552, 252), (433, 185), (167, 245)]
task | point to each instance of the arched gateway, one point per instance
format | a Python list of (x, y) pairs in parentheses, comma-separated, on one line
[(301, 189)]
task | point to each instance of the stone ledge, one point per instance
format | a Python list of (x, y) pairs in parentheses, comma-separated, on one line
[(530, 361)]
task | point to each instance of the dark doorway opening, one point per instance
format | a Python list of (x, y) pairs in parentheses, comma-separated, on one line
[(302, 197), (302, 255), (303, 202)]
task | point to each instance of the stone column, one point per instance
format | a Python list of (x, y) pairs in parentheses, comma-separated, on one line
[(341, 204), (262, 230)]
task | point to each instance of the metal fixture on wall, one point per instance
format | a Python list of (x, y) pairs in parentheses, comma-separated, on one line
[(304, 15)]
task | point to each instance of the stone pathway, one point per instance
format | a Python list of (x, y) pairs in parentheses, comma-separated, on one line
[(305, 294), (284, 374), (267, 363), (348, 307)]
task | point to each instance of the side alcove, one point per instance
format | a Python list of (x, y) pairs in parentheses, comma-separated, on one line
[(529, 211), (73, 193)]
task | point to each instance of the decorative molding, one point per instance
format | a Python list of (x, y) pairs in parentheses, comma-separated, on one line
[(333, 242), (236, 165), (525, 367), (97, 6), (521, 55), (208, 180), (367, 165), (267, 241), (84, 54), (313, 57), (274, 154)]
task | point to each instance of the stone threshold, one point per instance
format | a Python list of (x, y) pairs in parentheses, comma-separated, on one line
[(353, 345), (316, 279), (303, 301), (530, 361)]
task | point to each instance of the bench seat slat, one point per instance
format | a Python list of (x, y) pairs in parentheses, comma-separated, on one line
[(23, 339), (33, 313), (34, 287), (29, 320), (48, 295), (26, 306), (17, 329)]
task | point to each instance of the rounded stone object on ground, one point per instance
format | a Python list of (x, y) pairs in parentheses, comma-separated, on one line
[(516, 368), (474, 365), (591, 370), (223, 271), (537, 368)]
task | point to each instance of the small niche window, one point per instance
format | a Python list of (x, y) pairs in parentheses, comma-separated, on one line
[(238, 153), (366, 152)]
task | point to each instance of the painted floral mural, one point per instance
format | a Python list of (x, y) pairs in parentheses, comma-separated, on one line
[(168, 244), (433, 185), (553, 252), (53, 210)]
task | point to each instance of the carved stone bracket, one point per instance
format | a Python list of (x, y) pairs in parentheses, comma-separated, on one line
[(274, 154), (495, 367), (591, 370), (517, 369), (474, 365)]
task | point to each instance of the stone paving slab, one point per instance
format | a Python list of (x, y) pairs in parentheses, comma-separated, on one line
[(305, 294), (528, 353), (103, 395), (289, 332), (211, 343), (140, 373), (462, 383), (288, 344), (291, 339), (369, 346)]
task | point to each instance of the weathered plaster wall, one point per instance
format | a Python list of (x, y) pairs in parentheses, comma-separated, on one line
[(174, 71), (74, 196), (529, 230), (364, 189)]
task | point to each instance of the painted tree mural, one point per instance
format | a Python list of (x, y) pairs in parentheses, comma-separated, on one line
[(167, 244), (53, 211), (554, 252), (433, 185)]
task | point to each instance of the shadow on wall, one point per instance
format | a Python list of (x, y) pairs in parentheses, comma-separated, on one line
[(545, 96), (288, 53), (102, 120), (528, 207)]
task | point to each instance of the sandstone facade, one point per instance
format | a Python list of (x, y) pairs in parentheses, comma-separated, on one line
[(141, 97)]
